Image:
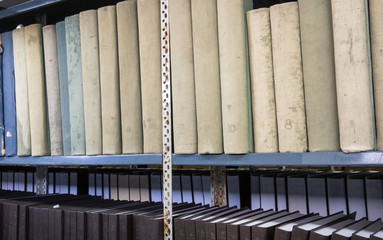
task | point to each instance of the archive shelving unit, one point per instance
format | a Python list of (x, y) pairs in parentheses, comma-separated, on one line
[(167, 159)]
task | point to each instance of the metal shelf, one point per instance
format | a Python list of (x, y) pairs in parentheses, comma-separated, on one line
[(317, 159), (314, 159), (109, 160), (25, 7)]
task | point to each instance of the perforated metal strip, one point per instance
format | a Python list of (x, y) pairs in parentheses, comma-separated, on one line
[(166, 123), (41, 179), (218, 186)]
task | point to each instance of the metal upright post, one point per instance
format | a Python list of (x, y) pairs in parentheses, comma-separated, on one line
[(166, 123), (218, 186), (42, 180)]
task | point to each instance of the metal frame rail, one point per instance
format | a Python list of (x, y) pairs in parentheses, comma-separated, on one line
[(166, 122)]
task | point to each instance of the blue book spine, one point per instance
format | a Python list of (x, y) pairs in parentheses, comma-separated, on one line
[(63, 78), (51, 183), (99, 184), (76, 101), (73, 183), (2, 150), (9, 129), (92, 184)]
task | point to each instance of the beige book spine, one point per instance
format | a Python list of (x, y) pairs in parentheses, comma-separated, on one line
[(355, 109), (109, 78), (207, 77), (150, 62), (182, 70), (287, 63), (376, 28), (90, 64), (319, 75), (21, 93), (53, 90), (130, 83), (235, 79), (262, 81), (36, 90)]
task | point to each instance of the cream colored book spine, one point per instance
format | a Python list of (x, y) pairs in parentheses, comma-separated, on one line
[(53, 90), (36, 90), (351, 47), (288, 79), (109, 77), (149, 28), (319, 75), (90, 63), (235, 79), (206, 76), (262, 81), (183, 94), (130, 83), (376, 28), (21, 93)]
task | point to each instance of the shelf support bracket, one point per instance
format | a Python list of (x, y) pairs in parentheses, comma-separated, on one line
[(166, 123), (42, 180), (218, 186)]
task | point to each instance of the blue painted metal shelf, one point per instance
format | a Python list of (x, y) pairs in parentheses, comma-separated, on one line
[(26, 6), (318, 159), (110, 160), (315, 159)]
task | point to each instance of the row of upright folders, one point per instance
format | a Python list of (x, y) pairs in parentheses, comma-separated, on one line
[(294, 77)]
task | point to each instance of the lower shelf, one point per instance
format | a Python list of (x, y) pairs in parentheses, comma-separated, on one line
[(317, 159)]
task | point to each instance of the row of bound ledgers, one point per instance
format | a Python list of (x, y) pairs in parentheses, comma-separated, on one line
[(295, 77)]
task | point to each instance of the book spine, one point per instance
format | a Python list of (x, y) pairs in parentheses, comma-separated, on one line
[(376, 21), (75, 88), (109, 79), (9, 102), (336, 195), (2, 147), (297, 195), (356, 197), (235, 80), (144, 188), (123, 187), (53, 89), (150, 63), (64, 94), (351, 50), (287, 63), (114, 186), (21, 93), (319, 75), (36, 90), (317, 199), (134, 187), (130, 83), (155, 188), (206, 76), (374, 197), (262, 81), (91, 81), (183, 93)]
